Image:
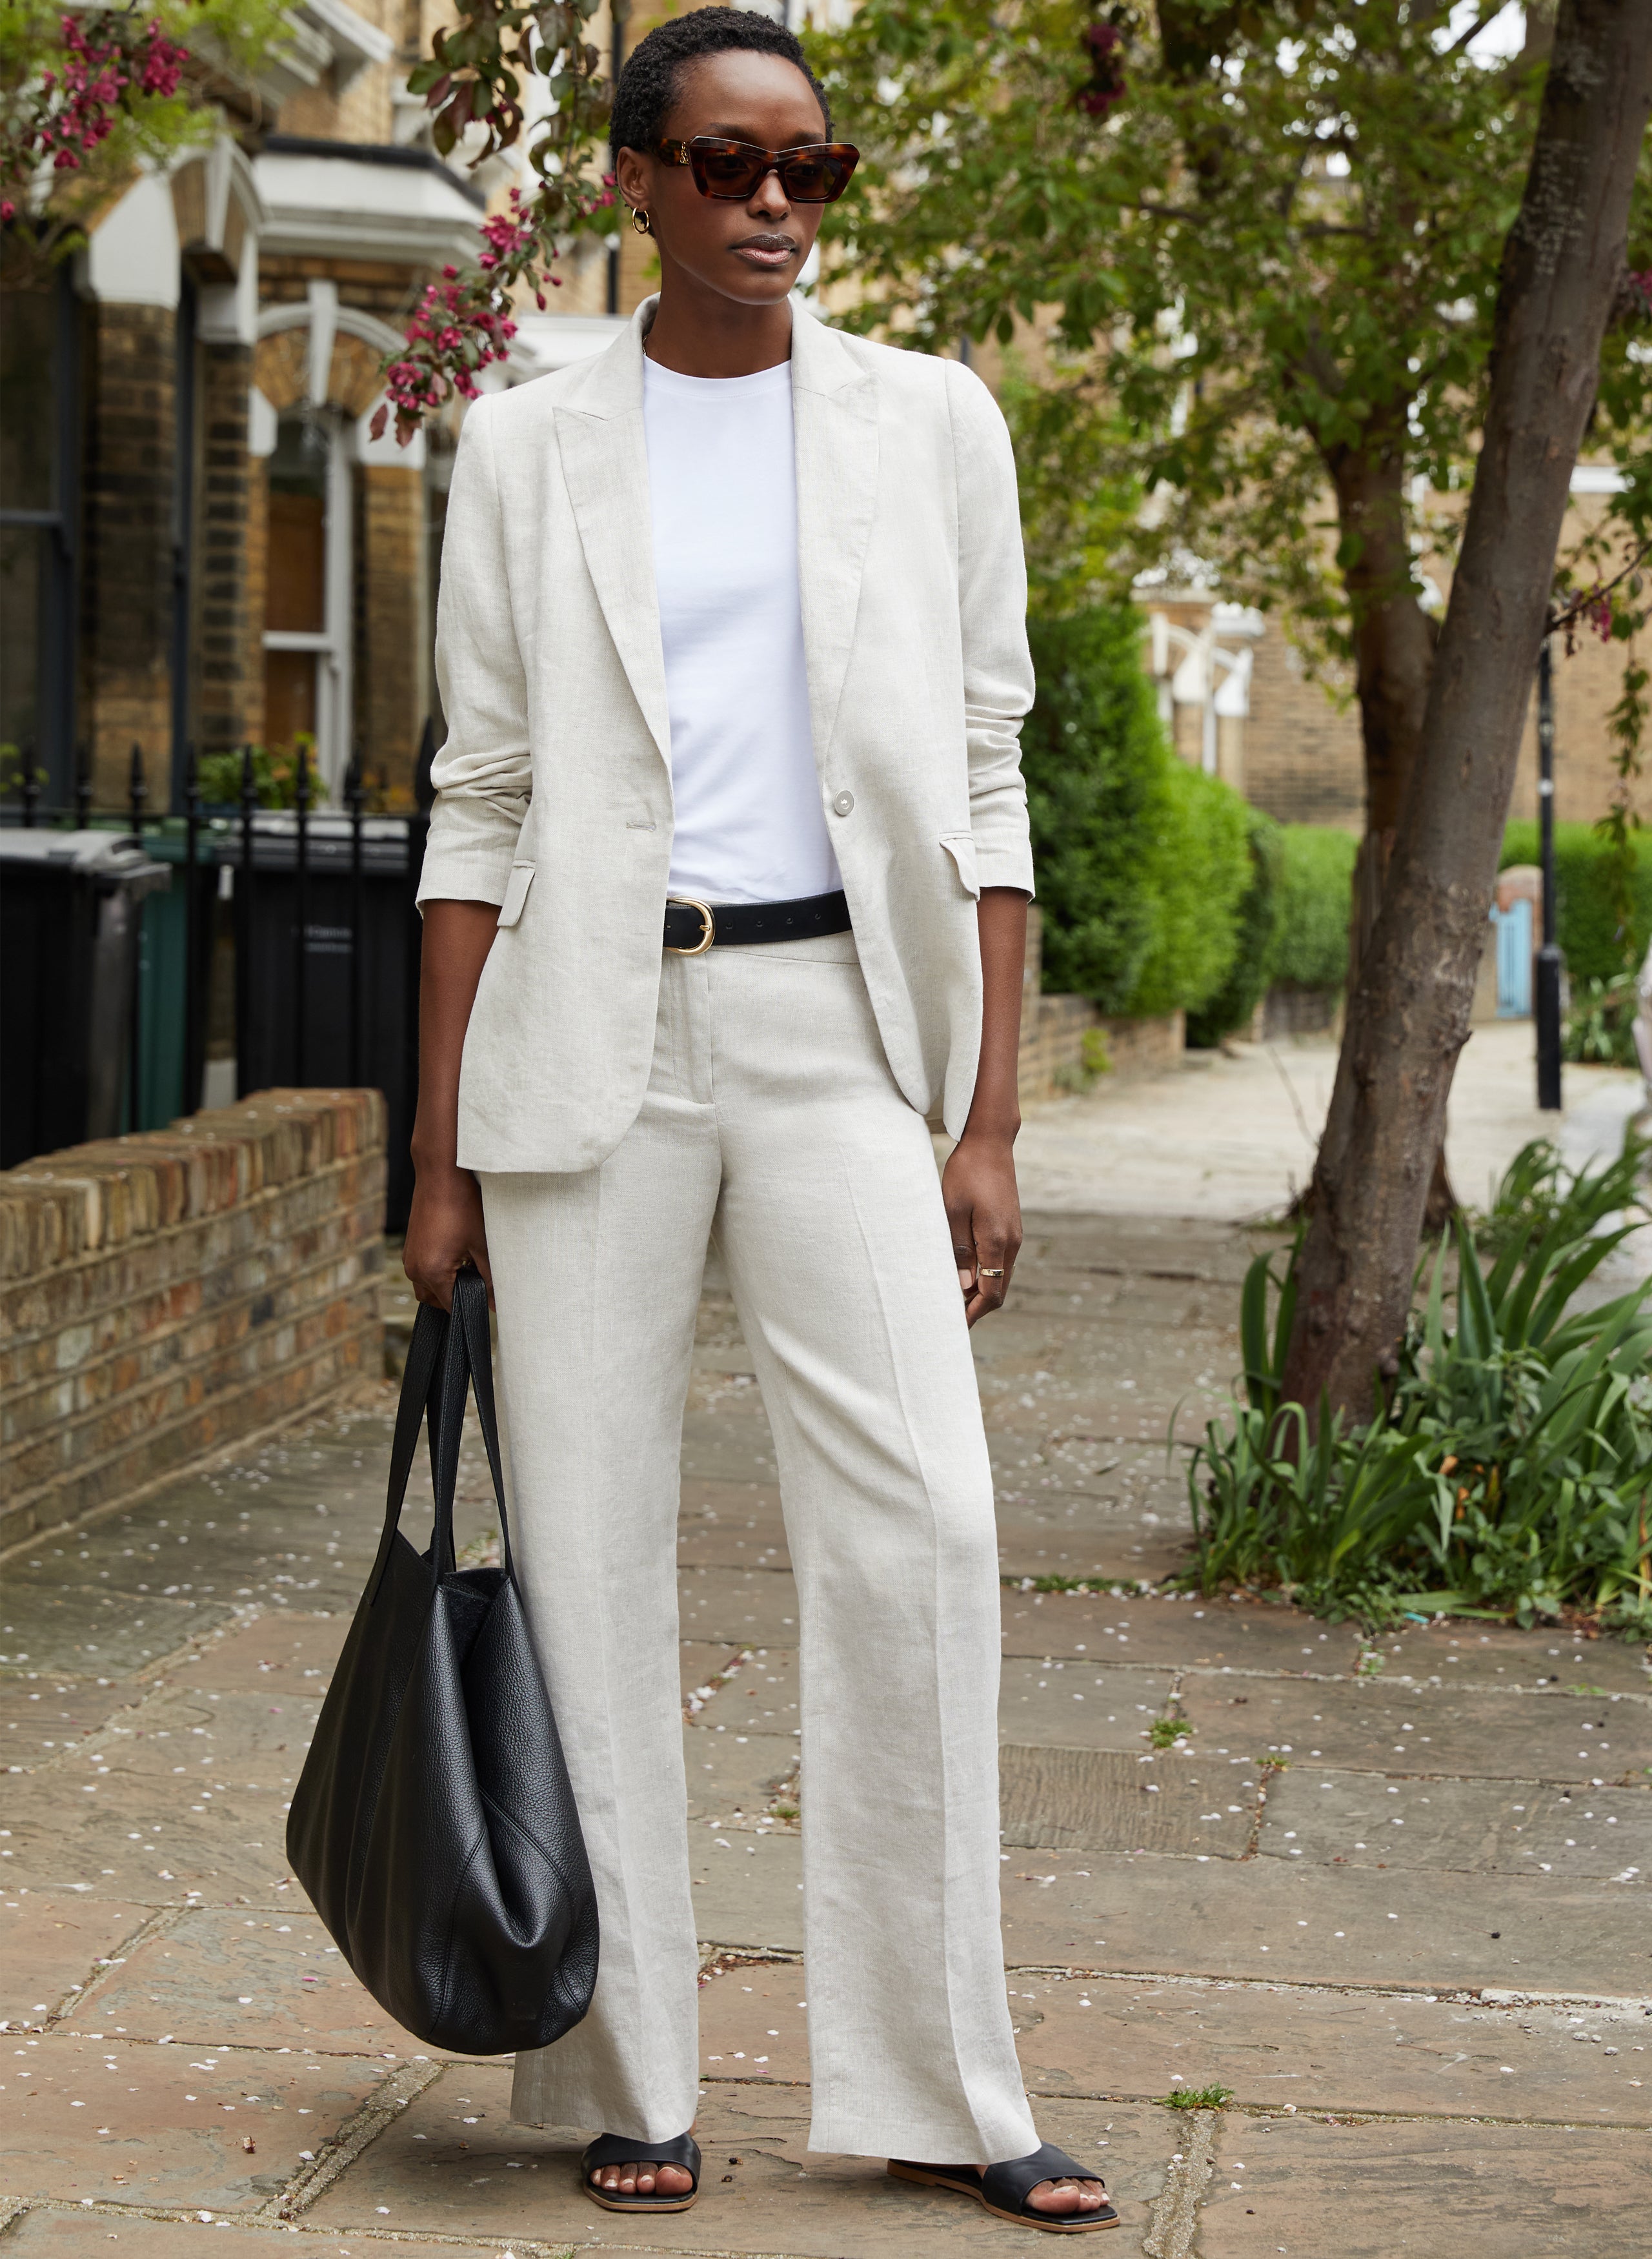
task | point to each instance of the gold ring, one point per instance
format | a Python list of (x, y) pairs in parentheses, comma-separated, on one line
[(983, 1273)]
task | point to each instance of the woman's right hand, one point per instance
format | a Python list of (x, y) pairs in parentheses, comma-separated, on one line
[(445, 1229)]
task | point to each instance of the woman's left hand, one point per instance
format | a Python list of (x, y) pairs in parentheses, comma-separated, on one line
[(983, 1209)]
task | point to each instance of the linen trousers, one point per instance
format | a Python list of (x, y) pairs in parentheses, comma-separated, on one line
[(772, 1125)]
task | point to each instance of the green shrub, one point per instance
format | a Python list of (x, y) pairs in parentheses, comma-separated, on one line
[(1315, 887), (1197, 860), (1093, 753), (274, 779), (1507, 1470), (1143, 862), (1586, 908), (1261, 913)]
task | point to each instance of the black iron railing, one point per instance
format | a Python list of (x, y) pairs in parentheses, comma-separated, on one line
[(323, 930)]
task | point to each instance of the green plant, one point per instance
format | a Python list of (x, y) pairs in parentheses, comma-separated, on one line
[(1316, 878), (1589, 925), (1509, 1469), (1537, 1192), (1258, 923), (1196, 859), (1599, 1028), (1094, 755), (274, 775), (1197, 2097), (15, 772), (1164, 1733)]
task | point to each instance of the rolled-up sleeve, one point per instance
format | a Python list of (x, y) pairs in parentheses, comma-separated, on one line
[(483, 773), (998, 675)]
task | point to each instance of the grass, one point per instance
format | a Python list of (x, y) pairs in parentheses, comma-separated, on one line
[(1508, 1473), (1164, 1733), (1197, 2097)]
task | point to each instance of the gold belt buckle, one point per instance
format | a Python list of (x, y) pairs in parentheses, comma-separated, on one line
[(707, 922)]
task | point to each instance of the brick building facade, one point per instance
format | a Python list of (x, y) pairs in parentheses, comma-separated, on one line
[(201, 544), (230, 557)]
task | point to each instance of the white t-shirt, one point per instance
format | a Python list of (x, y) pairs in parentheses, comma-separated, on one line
[(723, 482)]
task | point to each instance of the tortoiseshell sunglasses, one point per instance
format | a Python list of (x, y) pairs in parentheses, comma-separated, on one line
[(815, 175)]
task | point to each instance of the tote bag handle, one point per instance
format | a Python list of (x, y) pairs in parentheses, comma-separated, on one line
[(448, 1356)]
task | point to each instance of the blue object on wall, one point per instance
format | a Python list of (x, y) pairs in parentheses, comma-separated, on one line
[(1513, 960)]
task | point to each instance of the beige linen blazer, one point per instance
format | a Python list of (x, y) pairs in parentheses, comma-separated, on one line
[(553, 787)]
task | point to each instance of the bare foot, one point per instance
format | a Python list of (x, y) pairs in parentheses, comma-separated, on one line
[(1066, 2197), (642, 2178), (1063, 2199)]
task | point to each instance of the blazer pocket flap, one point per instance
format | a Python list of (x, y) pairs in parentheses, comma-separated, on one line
[(960, 845), (516, 891)]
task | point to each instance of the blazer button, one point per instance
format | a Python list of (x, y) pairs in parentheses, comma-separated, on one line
[(842, 804)]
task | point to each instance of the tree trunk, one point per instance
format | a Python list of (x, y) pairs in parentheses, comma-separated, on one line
[(1393, 658), (1408, 1011)]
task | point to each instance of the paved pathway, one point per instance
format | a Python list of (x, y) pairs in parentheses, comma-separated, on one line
[(1231, 1135), (1393, 1896)]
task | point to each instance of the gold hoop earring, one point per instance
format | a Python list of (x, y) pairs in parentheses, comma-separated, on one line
[(641, 224)]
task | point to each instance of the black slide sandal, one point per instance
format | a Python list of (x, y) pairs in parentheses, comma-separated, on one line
[(1003, 2189), (620, 2150)]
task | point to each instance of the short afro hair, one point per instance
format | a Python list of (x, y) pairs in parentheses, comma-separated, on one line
[(648, 84)]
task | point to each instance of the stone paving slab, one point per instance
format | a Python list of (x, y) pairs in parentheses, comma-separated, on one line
[(1378, 2192), (749, 1896), (1422, 1729), (286, 1651), (765, 2191), (200, 1729), (703, 1661), (1477, 1827), (1515, 1736), (50, 1942), (1186, 1633), (76, 2234), (1070, 1799), (1078, 1706), (135, 1839), (242, 1980), (94, 1636), (746, 1607), (1112, 1541), (734, 1777), (731, 1526), (1353, 1926), (110, 2120), (38, 1721), (1497, 1656), (764, 1692), (754, 2024), (1291, 2047)]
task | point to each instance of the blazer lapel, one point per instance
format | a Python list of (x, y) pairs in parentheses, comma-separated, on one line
[(605, 465), (835, 424)]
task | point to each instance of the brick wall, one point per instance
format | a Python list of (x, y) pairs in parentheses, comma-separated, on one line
[(393, 683), (126, 599), (231, 675), (163, 1295), (1057, 1034)]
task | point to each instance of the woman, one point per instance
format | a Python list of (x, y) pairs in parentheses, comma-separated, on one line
[(725, 892)]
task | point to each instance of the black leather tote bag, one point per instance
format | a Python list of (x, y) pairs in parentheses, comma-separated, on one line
[(433, 1825)]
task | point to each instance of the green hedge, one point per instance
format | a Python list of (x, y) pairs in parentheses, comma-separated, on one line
[(1586, 912), (1261, 917), (1315, 888), (1143, 862), (1196, 859)]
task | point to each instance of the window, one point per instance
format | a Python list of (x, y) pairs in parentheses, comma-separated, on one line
[(307, 623), (39, 433)]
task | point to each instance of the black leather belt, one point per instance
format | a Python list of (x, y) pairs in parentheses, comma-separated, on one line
[(692, 928)]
